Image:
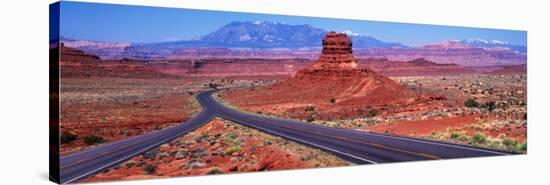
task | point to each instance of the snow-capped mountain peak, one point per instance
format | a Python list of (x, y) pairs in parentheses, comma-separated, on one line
[(351, 33), (477, 40), (485, 42), (499, 42), (493, 44), (264, 22)]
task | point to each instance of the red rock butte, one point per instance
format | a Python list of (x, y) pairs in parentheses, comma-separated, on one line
[(337, 75), (339, 70), (336, 58), (336, 53)]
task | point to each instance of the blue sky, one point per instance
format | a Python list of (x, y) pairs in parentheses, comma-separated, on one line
[(108, 22)]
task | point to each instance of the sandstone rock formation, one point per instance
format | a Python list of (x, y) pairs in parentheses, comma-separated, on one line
[(79, 64), (343, 78), (336, 58), (336, 84), (336, 53)]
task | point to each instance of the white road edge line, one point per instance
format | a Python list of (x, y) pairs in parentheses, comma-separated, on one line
[(102, 146), (121, 141), (428, 142), (316, 145), (371, 134), (150, 133), (126, 157)]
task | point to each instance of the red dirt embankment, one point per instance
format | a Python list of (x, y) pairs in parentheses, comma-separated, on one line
[(77, 64), (422, 127), (116, 99)]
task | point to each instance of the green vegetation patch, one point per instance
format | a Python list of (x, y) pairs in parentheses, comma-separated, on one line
[(67, 137), (93, 139)]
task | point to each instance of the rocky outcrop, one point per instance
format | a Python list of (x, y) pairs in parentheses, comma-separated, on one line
[(336, 59), (337, 73), (416, 67), (75, 63), (336, 53), (336, 76), (463, 56)]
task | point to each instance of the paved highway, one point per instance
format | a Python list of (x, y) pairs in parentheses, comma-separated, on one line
[(79, 165), (355, 146)]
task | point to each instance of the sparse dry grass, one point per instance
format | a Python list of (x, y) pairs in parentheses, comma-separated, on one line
[(220, 146), (116, 108)]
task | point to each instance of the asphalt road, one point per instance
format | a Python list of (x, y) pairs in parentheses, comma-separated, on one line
[(354, 146), (82, 164)]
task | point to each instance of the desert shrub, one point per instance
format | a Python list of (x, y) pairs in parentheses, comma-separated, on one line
[(310, 119), (463, 138), (514, 146), (471, 103), (183, 152), (149, 169), (172, 153), (232, 150), (199, 138), (214, 170), (93, 139), (479, 138), (229, 137), (130, 164), (67, 137), (508, 142), (522, 146), (455, 135), (267, 142), (310, 108), (490, 106), (372, 113), (212, 85), (333, 100)]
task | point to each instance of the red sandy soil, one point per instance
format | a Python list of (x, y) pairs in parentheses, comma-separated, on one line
[(422, 127), (469, 124), (516, 129), (511, 69), (118, 120), (117, 99), (207, 151)]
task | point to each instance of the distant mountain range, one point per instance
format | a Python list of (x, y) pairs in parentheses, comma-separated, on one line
[(494, 44), (265, 34), (275, 39)]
